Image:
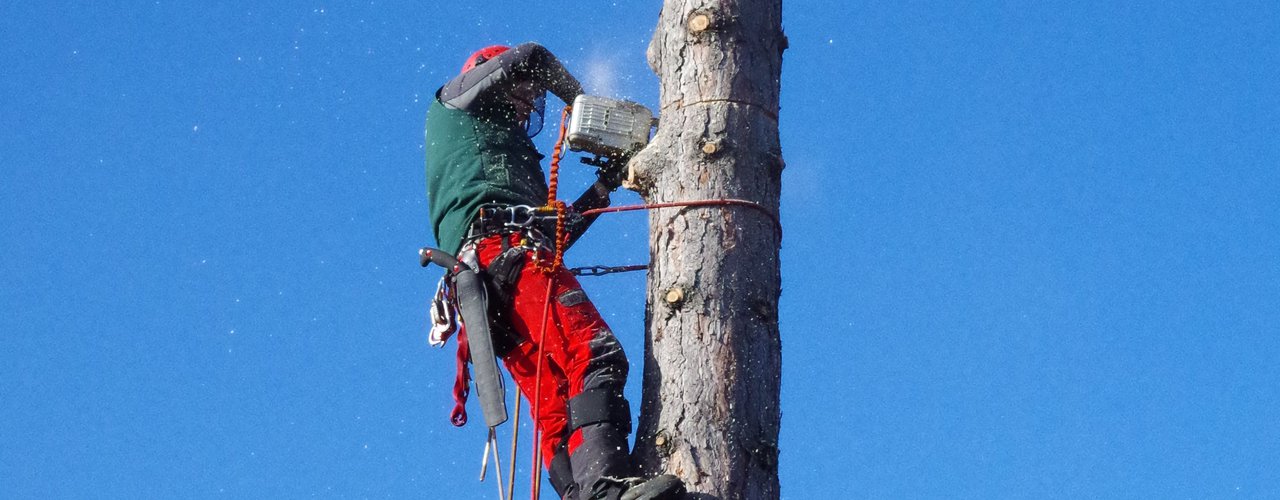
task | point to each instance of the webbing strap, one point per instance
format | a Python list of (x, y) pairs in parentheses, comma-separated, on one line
[(599, 405), (461, 381)]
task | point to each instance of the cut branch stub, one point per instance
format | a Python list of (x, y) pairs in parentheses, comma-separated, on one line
[(675, 296), (700, 21)]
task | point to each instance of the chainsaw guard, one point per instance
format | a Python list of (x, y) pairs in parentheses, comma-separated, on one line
[(473, 306)]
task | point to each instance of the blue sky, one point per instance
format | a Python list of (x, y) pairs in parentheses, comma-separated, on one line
[(1032, 250)]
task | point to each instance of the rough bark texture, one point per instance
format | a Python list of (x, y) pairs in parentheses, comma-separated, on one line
[(710, 411)]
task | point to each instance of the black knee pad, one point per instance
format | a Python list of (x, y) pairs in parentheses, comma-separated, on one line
[(600, 405)]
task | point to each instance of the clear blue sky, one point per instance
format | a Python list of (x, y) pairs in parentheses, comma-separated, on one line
[(1032, 249)]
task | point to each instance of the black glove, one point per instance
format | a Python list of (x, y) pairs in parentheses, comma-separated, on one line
[(612, 172)]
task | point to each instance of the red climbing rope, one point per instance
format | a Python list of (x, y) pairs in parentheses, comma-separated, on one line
[(557, 263), (777, 224)]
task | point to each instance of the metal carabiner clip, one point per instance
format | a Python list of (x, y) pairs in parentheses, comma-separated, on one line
[(515, 214)]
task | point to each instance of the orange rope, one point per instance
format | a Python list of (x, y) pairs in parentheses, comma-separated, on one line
[(553, 204)]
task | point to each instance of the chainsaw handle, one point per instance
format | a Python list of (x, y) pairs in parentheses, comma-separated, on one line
[(428, 255)]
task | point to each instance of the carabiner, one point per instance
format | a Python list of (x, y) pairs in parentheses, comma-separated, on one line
[(515, 212)]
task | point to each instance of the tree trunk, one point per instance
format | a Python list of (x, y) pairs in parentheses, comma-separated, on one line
[(710, 410)]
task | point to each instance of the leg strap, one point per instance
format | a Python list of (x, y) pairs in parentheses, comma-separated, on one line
[(599, 405)]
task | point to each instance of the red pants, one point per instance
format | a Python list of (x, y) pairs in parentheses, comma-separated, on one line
[(578, 352)]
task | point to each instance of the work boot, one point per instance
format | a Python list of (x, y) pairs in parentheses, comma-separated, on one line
[(664, 487), (602, 456), (601, 466)]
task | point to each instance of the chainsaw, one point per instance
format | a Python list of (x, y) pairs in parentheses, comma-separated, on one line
[(610, 130)]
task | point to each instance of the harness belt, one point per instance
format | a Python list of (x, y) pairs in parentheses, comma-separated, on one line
[(495, 218)]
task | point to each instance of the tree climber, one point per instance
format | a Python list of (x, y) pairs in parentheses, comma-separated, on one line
[(479, 153)]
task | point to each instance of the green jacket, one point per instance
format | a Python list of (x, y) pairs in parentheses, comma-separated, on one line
[(473, 159)]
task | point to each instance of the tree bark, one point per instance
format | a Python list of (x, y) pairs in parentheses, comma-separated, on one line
[(710, 411)]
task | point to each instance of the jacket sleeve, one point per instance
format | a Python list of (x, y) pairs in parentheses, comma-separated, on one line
[(596, 196), (527, 62)]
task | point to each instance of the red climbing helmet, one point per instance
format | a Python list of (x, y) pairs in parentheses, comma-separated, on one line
[(483, 55)]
